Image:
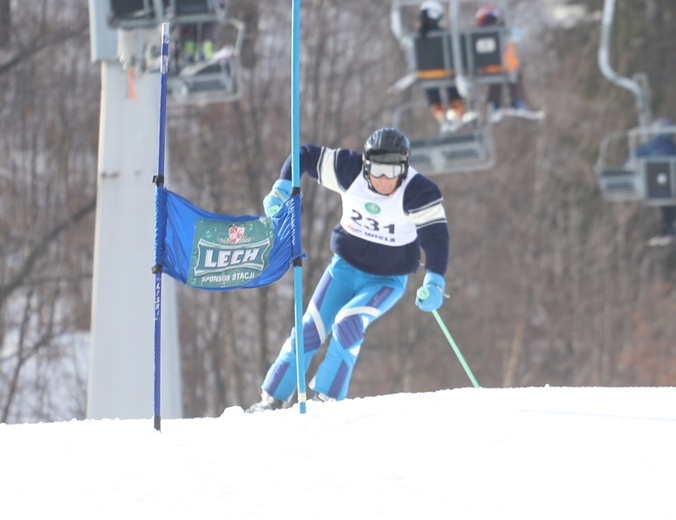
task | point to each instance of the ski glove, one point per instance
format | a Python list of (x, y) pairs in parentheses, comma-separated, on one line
[(431, 295), (281, 190)]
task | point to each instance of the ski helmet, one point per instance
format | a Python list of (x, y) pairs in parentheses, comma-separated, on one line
[(387, 146), (487, 16)]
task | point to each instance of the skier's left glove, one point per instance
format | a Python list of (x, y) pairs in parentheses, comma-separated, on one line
[(281, 190), (431, 295)]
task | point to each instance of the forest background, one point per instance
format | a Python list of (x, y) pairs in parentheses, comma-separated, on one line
[(549, 283)]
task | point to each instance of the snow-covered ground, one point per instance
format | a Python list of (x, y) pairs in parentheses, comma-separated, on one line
[(531, 453)]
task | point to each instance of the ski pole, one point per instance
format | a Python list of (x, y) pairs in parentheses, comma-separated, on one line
[(423, 293)]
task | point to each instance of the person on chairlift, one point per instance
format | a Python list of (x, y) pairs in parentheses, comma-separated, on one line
[(488, 16), (198, 41), (431, 17)]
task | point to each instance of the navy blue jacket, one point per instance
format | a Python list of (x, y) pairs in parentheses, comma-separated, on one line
[(422, 203), (662, 144)]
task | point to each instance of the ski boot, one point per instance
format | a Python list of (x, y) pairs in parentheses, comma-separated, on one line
[(266, 403)]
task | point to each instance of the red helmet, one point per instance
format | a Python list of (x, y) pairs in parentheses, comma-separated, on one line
[(487, 15)]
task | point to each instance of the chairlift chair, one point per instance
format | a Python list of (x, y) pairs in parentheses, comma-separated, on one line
[(135, 14), (478, 50), (649, 179), (481, 54), (454, 153), (182, 12), (468, 148), (628, 176), (144, 14), (215, 81), (460, 55), (617, 180)]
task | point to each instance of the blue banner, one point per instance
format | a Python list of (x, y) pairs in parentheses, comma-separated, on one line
[(218, 252)]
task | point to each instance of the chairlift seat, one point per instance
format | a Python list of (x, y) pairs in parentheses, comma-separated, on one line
[(434, 58), (191, 7), (212, 81), (140, 14), (182, 12), (481, 52), (133, 14), (659, 174), (648, 178), (487, 55), (620, 185)]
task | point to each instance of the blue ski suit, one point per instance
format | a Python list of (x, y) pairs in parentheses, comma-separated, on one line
[(376, 245)]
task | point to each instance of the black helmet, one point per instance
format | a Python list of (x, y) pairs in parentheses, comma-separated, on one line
[(387, 146)]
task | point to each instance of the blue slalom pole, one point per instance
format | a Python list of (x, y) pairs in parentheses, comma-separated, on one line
[(159, 182), (295, 184)]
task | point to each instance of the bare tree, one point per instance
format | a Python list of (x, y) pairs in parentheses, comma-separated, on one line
[(47, 179), (5, 23)]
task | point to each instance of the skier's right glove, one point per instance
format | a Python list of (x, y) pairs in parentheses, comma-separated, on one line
[(281, 190), (431, 295)]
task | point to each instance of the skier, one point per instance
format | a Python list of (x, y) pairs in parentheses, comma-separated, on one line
[(390, 212)]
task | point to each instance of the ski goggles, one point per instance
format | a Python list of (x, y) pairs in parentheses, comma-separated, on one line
[(391, 171)]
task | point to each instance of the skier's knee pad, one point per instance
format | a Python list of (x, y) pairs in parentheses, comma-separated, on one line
[(311, 338), (349, 331), (311, 341)]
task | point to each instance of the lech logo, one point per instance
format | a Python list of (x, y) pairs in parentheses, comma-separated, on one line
[(372, 208), (229, 254), (236, 233)]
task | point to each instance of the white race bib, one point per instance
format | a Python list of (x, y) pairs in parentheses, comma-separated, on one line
[(377, 218)]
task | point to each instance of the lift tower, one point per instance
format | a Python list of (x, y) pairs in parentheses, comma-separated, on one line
[(121, 361)]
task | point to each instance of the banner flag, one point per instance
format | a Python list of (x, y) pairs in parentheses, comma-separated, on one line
[(217, 252)]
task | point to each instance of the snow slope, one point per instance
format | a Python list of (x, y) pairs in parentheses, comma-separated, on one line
[(530, 453)]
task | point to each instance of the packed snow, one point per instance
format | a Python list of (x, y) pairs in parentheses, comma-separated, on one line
[(474, 453)]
